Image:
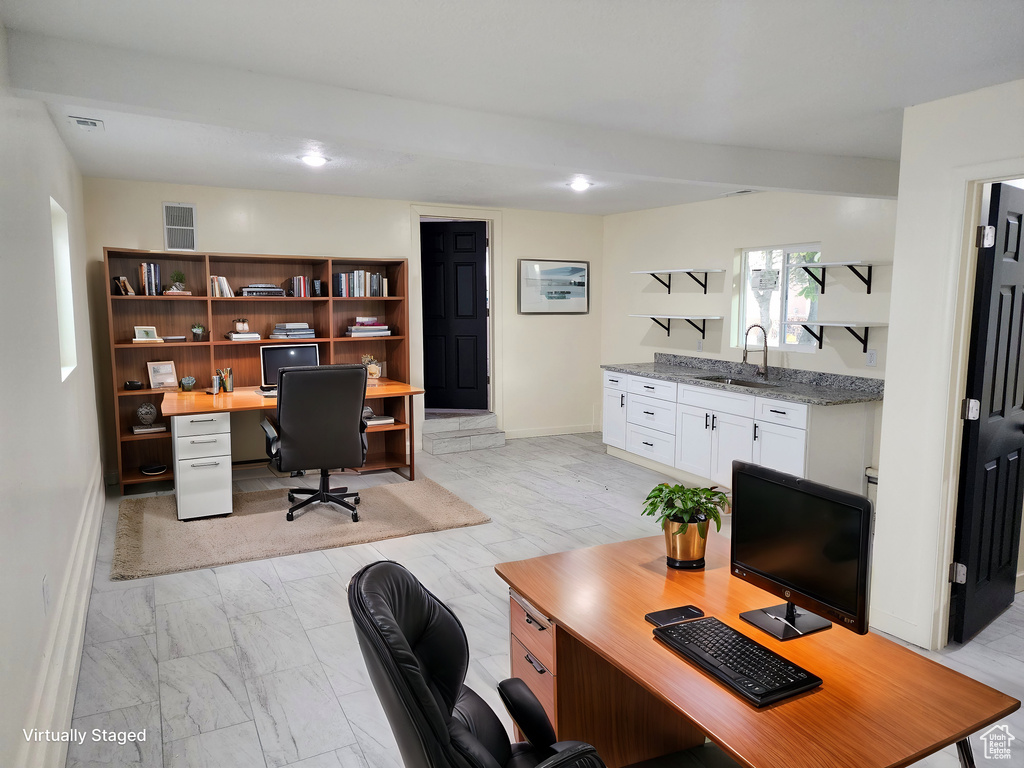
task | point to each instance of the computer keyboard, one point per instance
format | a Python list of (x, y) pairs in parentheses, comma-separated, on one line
[(758, 674)]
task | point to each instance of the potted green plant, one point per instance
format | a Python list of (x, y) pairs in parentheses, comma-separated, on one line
[(198, 329), (177, 280), (684, 514)]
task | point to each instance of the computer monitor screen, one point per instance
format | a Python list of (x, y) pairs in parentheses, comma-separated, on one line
[(274, 358), (805, 542)]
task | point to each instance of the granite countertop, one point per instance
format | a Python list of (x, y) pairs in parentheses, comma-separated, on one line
[(791, 385)]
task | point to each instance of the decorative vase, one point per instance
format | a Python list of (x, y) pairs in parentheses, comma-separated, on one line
[(146, 413), (686, 550), (242, 326), (197, 335), (373, 370), (187, 383)]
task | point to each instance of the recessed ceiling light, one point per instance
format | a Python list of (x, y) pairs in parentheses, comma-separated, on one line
[(314, 161), (580, 185)]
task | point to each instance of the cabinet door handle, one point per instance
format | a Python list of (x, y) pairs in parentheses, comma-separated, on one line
[(772, 410), (755, 433), (536, 624), (622, 401), (199, 421), (644, 442), (613, 381), (200, 442), (648, 413), (535, 664), (206, 464), (707, 421), (714, 422), (648, 386)]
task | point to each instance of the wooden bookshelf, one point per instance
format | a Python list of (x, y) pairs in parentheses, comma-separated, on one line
[(328, 315)]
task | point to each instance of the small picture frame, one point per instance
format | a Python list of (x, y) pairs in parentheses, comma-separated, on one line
[(551, 287), (126, 287), (147, 332), (162, 375)]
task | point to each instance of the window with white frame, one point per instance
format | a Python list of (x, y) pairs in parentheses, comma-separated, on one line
[(777, 292)]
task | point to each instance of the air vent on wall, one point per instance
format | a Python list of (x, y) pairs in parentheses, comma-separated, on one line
[(179, 227), (87, 124)]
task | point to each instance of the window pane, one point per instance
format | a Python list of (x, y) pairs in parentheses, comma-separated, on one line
[(762, 294), (801, 296)]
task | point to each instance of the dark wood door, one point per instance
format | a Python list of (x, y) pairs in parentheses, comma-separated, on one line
[(454, 268), (991, 489)]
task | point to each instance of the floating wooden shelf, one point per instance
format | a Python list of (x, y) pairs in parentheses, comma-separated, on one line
[(691, 319), (667, 281), (849, 326)]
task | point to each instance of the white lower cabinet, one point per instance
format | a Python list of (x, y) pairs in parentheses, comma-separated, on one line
[(613, 417), (781, 448), (693, 440), (654, 445), (708, 442), (202, 465), (732, 438)]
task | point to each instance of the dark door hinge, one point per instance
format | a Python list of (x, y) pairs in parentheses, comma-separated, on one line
[(957, 573), (986, 237), (970, 409)]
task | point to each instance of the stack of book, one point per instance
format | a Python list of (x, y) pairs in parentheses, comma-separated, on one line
[(148, 429), (379, 420), (261, 289), (235, 336), (147, 341), (149, 279), (368, 326), (219, 287), (360, 283), (292, 331)]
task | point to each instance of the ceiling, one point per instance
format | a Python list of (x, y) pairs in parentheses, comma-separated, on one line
[(498, 103)]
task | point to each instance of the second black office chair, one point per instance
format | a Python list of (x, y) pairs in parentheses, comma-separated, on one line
[(319, 426), (417, 656)]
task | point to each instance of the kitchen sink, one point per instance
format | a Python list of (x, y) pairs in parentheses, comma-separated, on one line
[(739, 382)]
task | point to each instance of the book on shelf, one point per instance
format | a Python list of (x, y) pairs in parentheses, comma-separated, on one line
[(379, 420), (122, 286), (262, 290), (367, 334), (360, 283), (233, 336), (171, 292), (148, 429), (171, 339), (291, 326), (149, 279), (147, 341), (275, 335), (220, 288), (375, 327), (300, 287)]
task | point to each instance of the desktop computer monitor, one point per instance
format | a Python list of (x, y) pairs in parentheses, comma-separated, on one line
[(805, 542), (275, 357)]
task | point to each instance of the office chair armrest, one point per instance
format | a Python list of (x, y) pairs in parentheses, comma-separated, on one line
[(573, 754), (273, 439), (527, 712)]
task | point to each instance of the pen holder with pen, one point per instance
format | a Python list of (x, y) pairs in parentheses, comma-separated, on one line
[(227, 381)]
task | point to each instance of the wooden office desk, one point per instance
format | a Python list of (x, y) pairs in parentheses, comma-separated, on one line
[(618, 688)]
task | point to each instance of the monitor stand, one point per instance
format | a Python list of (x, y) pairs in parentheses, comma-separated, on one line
[(785, 622)]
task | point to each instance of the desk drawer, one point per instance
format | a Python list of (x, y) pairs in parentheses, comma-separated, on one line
[(538, 679), (648, 412), (202, 487), (200, 446), (533, 630), (663, 390), (644, 441), (202, 424), (614, 380)]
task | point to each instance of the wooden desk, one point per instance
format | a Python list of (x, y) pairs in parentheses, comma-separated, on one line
[(618, 688), (389, 454)]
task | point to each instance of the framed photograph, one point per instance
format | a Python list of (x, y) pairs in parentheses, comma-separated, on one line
[(162, 375), (549, 287), (147, 332)]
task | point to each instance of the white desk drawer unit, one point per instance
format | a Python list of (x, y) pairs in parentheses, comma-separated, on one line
[(662, 390), (657, 446), (648, 412), (202, 465)]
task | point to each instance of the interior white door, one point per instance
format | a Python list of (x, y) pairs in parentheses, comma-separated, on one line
[(733, 440), (614, 418), (693, 440), (781, 448)]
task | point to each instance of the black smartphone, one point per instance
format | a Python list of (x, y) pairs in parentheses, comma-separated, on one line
[(672, 615)]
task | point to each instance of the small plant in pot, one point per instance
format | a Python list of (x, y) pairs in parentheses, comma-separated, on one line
[(198, 329), (685, 514), (177, 280)]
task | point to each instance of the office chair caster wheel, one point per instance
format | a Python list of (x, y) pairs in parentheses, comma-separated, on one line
[(290, 516), (355, 517), (355, 501), (291, 497)]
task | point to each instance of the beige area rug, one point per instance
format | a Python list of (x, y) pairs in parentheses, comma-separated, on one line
[(151, 541)]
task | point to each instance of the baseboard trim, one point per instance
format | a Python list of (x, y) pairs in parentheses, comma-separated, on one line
[(1020, 582), (512, 434), (52, 705)]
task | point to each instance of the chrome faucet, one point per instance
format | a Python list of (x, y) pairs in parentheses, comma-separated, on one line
[(762, 370)]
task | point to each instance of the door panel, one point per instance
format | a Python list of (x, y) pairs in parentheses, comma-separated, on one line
[(733, 440), (991, 488), (781, 448), (613, 417), (693, 440), (454, 269)]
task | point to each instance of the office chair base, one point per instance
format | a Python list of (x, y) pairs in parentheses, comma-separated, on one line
[(325, 495)]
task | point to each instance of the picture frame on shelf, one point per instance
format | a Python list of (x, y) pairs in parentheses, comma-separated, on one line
[(146, 332), (162, 374), (126, 287), (554, 287)]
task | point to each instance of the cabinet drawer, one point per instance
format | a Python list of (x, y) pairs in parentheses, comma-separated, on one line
[(534, 631), (615, 380), (202, 487), (202, 424), (648, 412), (538, 679), (662, 390), (199, 446), (782, 412), (644, 441), (717, 400)]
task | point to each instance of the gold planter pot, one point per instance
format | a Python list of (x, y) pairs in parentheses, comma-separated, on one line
[(686, 550)]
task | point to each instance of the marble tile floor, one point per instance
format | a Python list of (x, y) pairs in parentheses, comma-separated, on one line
[(256, 664)]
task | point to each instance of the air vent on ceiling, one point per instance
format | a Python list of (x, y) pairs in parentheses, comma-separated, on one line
[(738, 192), (88, 124), (179, 227)]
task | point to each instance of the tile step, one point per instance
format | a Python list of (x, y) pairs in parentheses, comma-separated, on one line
[(456, 421), (439, 443)]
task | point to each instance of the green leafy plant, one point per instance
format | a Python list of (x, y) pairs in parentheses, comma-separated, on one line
[(679, 504), (198, 327), (177, 276)]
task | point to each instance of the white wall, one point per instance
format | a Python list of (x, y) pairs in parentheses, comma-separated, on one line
[(51, 497), (546, 364), (711, 235), (946, 144)]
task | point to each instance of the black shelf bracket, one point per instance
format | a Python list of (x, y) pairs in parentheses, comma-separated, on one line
[(666, 326), (702, 328), (866, 279), (667, 282), (820, 280), (862, 339), (704, 285), (819, 336)]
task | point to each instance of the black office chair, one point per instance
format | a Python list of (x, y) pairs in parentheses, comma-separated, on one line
[(417, 656), (319, 426)]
